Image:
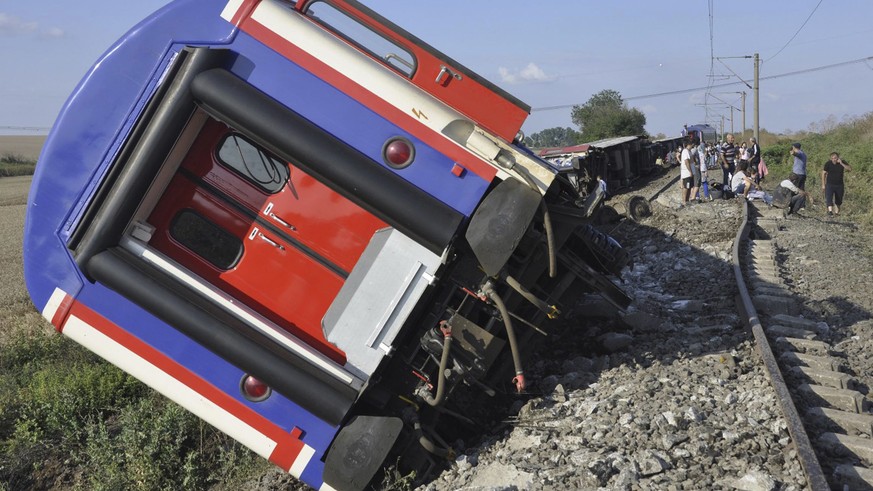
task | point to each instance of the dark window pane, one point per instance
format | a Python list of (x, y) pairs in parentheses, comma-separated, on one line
[(206, 239), (253, 163)]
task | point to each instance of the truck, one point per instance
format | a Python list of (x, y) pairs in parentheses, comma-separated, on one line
[(309, 228)]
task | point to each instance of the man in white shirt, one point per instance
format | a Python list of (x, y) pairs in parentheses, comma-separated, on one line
[(685, 173)]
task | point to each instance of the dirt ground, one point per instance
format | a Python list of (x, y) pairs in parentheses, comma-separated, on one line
[(26, 146)]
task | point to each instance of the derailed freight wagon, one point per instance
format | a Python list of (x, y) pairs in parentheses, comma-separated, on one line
[(309, 228)]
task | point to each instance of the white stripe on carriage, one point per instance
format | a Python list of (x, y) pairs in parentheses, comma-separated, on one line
[(231, 9), (54, 302), (302, 460)]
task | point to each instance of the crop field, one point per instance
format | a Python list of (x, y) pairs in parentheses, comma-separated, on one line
[(17, 313)]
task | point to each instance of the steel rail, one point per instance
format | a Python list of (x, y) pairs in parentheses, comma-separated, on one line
[(814, 476)]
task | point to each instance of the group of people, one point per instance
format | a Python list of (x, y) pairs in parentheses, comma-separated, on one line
[(791, 194), (743, 169), (739, 164)]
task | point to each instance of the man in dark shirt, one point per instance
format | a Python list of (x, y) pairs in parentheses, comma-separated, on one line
[(832, 182), (728, 157)]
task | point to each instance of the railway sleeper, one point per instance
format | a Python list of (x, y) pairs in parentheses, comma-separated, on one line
[(844, 399), (827, 378), (851, 446), (848, 421), (802, 345), (856, 478), (826, 363), (779, 330)]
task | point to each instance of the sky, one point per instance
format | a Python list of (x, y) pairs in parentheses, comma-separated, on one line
[(550, 54)]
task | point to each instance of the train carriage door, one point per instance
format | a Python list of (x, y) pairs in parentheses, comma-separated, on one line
[(262, 231)]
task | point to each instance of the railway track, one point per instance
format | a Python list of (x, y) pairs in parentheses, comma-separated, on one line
[(827, 415)]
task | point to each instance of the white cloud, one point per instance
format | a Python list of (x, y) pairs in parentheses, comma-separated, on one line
[(648, 109), (54, 32), (13, 25), (530, 73)]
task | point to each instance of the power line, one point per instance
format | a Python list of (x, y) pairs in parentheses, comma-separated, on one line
[(798, 31), (726, 84)]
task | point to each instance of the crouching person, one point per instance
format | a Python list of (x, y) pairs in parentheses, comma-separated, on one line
[(789, 196)]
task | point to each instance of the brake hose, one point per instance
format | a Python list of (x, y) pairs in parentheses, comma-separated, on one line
[(488, 290)]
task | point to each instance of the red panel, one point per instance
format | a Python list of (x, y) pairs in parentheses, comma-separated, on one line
[(305, 209), (282, 284)]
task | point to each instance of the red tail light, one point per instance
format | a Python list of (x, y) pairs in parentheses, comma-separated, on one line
[(253, 389), (398, 152)]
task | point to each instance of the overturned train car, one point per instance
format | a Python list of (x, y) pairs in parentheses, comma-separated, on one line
[(309, 228)]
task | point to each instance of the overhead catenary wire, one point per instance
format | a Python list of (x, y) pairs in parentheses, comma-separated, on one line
[(725, 84), (796, 33)]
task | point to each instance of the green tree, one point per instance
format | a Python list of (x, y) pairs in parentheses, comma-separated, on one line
[(606, 115), (553, 137)]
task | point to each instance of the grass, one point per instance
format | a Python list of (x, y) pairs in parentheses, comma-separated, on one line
[(853, 140), (12, 164)]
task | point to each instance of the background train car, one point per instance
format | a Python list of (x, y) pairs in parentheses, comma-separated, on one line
[(701, 132), (309, 228), (619, 161)]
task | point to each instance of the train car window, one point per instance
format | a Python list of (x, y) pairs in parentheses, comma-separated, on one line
[(206, 239), (382, 48), (253, 163)]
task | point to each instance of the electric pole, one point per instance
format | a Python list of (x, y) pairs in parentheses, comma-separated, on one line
[(757, 114)]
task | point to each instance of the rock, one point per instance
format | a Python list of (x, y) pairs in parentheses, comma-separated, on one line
[(652, 463), (755, 481)]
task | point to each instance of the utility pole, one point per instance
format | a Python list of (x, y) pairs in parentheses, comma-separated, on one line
[(744, 115), (757, 114), (755, 86)]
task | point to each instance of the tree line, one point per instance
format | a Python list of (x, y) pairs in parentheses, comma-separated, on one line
[(605, 115)]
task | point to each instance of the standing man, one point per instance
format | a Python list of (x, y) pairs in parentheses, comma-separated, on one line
[(685, 173), (799, 167), (832, 182), (754, 159), (727, 153)]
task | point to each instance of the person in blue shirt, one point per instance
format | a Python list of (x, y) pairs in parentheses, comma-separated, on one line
[(799, 167)]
